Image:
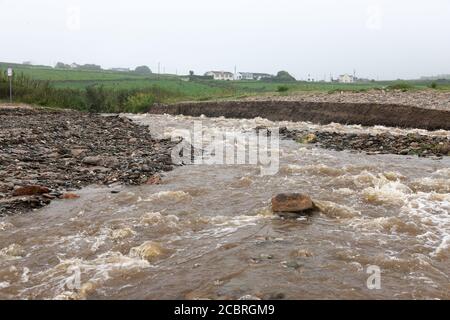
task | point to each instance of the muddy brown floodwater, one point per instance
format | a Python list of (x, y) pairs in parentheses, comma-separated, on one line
[(207, 231)]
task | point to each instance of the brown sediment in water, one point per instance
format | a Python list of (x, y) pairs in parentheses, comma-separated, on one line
[(207, 231), (367, 114)]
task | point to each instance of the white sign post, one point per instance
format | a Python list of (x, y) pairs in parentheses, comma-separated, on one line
[(10, 75)]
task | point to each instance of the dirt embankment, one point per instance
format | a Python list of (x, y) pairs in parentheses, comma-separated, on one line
[(367, 114), (44, 154)]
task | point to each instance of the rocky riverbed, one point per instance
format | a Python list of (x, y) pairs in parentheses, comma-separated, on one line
[(45, 154), (383, 143)]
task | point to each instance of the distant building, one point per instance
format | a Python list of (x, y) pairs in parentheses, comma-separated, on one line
[(361, 80), (220, 75), (253, 76), (346, 78), (262, 76), (246, 75), (74, 66), (120, 69)]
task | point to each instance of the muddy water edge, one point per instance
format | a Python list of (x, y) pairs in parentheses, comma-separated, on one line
[(207, 231)]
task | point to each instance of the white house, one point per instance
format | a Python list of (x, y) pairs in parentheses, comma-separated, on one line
[(246, 75), (220, 75), (346, 78)]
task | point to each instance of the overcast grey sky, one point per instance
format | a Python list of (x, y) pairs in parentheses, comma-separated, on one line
[(378, 38)]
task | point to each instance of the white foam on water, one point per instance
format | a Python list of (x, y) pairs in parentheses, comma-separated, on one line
[(334, 210), (318, 169), (442, 172), (60, 281), (12, 252), (168, 196), (344, 191), (429, 184), (25, 275), (433, 212), (5, 226), (386, 191)]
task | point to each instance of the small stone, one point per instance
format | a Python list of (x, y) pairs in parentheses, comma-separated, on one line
[(156, 179), (277, 296), (293, 264), (148, 251), (266, 256), (69, 196), (309, 138), (404, 152), (249, 297), (77, 152), (304, 253), (414, 145), (93, 161), (443, 148), (291, 202)]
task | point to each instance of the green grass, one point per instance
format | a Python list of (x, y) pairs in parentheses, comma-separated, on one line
[(122, 91)]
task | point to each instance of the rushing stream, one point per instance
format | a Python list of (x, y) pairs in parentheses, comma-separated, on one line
[(207, 232)]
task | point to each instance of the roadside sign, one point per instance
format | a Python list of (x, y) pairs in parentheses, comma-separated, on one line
[(10, 72)]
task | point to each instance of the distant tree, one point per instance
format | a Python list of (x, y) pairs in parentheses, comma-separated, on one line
[(62, 65), (90, 67), (284, 76), (143, 70), (191, 72)]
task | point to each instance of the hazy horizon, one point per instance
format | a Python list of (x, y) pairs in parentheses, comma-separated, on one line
[(378, 39)]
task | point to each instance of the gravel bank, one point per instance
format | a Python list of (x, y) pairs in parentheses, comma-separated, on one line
[(385, 143), (428, 99), (45, 153)]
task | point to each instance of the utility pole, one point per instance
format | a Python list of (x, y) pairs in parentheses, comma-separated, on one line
[(10, 75)]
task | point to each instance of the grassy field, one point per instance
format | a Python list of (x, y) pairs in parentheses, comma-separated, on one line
[(122, 91)]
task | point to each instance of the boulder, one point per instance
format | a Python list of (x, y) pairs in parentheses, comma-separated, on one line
[(30, 190), (291, 202)]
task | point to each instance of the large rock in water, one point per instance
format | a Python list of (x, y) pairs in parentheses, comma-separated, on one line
[(291, 202)]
